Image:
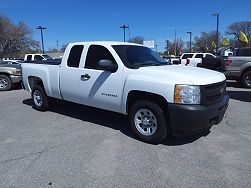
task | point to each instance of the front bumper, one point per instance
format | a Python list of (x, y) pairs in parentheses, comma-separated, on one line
[(194, 118), (16, 78)]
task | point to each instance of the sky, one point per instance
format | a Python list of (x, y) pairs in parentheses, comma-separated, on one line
[(91, 20)]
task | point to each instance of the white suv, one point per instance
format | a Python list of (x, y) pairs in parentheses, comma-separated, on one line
[(185, 56)]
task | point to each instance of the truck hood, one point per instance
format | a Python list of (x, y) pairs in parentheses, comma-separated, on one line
[(10, 66), (184, 74)]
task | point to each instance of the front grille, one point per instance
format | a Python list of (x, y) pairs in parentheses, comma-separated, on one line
[(213, 93)]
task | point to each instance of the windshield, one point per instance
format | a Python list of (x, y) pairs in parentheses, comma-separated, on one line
[(47, 57), (138, 56)]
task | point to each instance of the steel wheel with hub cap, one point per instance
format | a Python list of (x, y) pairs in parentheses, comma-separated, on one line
[(148, 122), (5, 83), (40, 99)]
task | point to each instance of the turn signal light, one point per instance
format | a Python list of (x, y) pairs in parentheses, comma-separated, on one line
[(228, 62)]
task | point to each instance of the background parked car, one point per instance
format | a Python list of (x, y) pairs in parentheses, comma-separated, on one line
[(10, 74), (238, 66), (12, 62)]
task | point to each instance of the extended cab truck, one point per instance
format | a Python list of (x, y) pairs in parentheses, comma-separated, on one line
[(131, 79), (238, 66), (37, 57)]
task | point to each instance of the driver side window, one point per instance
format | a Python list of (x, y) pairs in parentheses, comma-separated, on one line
[(95, 54)]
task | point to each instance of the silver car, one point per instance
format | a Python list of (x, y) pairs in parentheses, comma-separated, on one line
[(10, 73)]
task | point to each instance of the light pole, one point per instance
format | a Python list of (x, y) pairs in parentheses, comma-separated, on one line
[(217, 32), (124, 27), (41, 29), (190, 43)]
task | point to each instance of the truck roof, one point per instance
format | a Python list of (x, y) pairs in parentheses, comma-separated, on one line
[(105, 43)]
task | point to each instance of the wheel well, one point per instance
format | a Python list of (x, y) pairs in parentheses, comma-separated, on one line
[(134, 96), (5, 74), (33, 80), (246, 70)]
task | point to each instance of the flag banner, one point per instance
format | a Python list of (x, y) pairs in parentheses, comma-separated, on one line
[(243, 37), (213, 44), (225, 42)]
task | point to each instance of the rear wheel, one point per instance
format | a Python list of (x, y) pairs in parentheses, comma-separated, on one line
[(246, 79), (40, 99), (5, 83), (148, 122)]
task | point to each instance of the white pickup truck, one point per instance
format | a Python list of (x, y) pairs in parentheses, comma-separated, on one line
[(131, 79), (193, 59), (35, 57)]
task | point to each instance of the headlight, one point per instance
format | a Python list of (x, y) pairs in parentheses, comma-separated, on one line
[(186, 94), (18, 72)]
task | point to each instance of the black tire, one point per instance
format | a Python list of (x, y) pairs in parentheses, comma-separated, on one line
[(159, 129), (246, 79), (5, 83), (39, 98)]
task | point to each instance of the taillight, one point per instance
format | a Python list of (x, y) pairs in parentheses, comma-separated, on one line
[(228, 62), (187, 61)]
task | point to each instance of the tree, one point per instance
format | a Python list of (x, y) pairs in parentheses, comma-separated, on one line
[(64, 47), (53, 50), (137, 39), (175, 47), (203, 43), (15, 38), (234, 30)]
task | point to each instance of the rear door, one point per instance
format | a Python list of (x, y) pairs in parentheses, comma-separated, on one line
[(70, 74)]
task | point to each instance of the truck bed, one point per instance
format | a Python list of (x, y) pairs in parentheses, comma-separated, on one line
[(46, 62), (47, 72)]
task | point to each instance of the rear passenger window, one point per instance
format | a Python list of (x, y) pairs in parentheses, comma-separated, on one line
[(245, 52), (199, 56), (209, 55), (75, 55), (29, 57), (38, 57), (185, 56), (95, 54)]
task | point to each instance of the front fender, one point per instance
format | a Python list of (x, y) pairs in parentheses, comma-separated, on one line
[(146, 84)]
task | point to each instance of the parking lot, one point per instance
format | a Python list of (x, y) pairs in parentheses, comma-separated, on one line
[(76, 146)]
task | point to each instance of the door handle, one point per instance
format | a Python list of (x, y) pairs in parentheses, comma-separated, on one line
[(85, 77)]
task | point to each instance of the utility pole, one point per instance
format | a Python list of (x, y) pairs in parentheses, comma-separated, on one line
[(175, 43), (217, 33), (167, 46), (190, 43), (124, 27), (57, 44), (41, 29)]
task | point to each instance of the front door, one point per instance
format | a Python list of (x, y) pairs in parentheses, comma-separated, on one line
[(99, 88)]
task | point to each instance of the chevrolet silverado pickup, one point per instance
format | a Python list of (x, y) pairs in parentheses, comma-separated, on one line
[(131, 79)]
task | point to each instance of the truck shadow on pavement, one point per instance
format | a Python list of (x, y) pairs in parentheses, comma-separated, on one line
[(109, 119), (244, 96), (232, 83)]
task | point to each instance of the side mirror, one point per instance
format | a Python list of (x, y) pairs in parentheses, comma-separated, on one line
[(107, 65)]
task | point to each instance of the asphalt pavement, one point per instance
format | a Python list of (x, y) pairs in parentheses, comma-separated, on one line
[(76, 146)]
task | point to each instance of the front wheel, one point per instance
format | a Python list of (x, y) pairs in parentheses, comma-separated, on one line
[(5, 83), (40, 99), (148, 122), (246, 79)]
